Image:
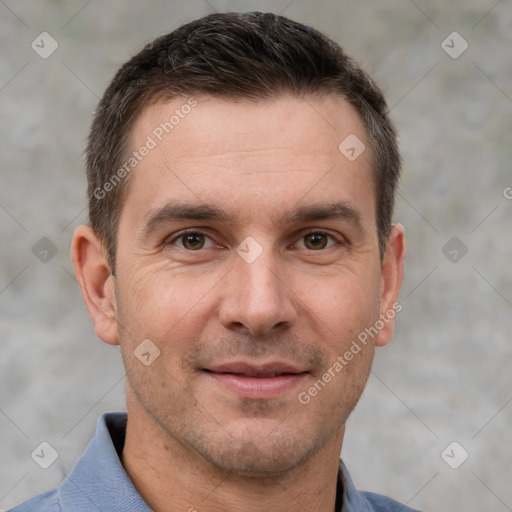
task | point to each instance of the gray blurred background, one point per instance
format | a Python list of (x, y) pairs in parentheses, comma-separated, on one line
[(447, 374)]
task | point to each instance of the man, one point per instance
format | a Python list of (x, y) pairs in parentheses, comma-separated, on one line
[(241, 175)]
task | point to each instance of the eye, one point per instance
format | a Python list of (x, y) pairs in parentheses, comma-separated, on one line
[(192, 240), (317, 240), (196, 240)]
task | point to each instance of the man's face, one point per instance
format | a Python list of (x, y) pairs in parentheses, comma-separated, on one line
[(228, 316)]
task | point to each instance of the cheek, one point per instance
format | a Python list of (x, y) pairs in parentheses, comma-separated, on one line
[(342, 305), (159, 301)]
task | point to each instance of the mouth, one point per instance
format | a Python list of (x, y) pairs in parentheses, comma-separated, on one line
[(259, 382)]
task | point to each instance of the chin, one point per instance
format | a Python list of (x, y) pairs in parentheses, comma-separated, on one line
[(259, 452)]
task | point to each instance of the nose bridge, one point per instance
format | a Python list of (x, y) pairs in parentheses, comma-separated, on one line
[(259, 279), (256, 296)]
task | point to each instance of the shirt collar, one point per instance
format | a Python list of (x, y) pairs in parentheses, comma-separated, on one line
[(353, 500), (98, 481)]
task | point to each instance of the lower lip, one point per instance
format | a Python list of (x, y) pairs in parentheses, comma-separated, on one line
[(258, 387)]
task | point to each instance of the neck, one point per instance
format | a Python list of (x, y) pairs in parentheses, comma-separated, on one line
[(170, 477)]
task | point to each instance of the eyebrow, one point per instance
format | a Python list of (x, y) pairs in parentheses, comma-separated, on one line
[(175, 211)]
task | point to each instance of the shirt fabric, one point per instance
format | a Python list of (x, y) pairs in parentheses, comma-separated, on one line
[(98, 482)]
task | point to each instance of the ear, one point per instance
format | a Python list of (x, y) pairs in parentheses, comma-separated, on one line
[(96, 282), (392, 274)]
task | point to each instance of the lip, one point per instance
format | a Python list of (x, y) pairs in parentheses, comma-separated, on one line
[(256, 381), (255, 370)]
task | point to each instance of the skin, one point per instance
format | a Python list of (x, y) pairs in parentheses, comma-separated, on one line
[(191, 443)]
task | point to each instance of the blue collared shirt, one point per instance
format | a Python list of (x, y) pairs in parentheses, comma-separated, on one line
[(98, 481)]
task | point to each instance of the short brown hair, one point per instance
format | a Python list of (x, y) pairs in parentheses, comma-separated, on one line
[(254, 56)]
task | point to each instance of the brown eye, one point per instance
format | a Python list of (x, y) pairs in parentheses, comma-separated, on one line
[(190, 241), (193, 241), (316, 240)]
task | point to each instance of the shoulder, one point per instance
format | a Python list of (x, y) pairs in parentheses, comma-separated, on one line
[(46, 502), (382, 503)]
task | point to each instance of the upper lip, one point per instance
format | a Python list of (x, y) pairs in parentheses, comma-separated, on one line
[(255, 370)]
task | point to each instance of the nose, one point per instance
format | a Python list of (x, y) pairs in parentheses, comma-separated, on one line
[(257, 298)]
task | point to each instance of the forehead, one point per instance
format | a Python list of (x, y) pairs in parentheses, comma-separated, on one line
[(214, 125), (240, 152)]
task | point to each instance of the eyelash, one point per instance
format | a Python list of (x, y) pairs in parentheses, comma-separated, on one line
[(186, 232)]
